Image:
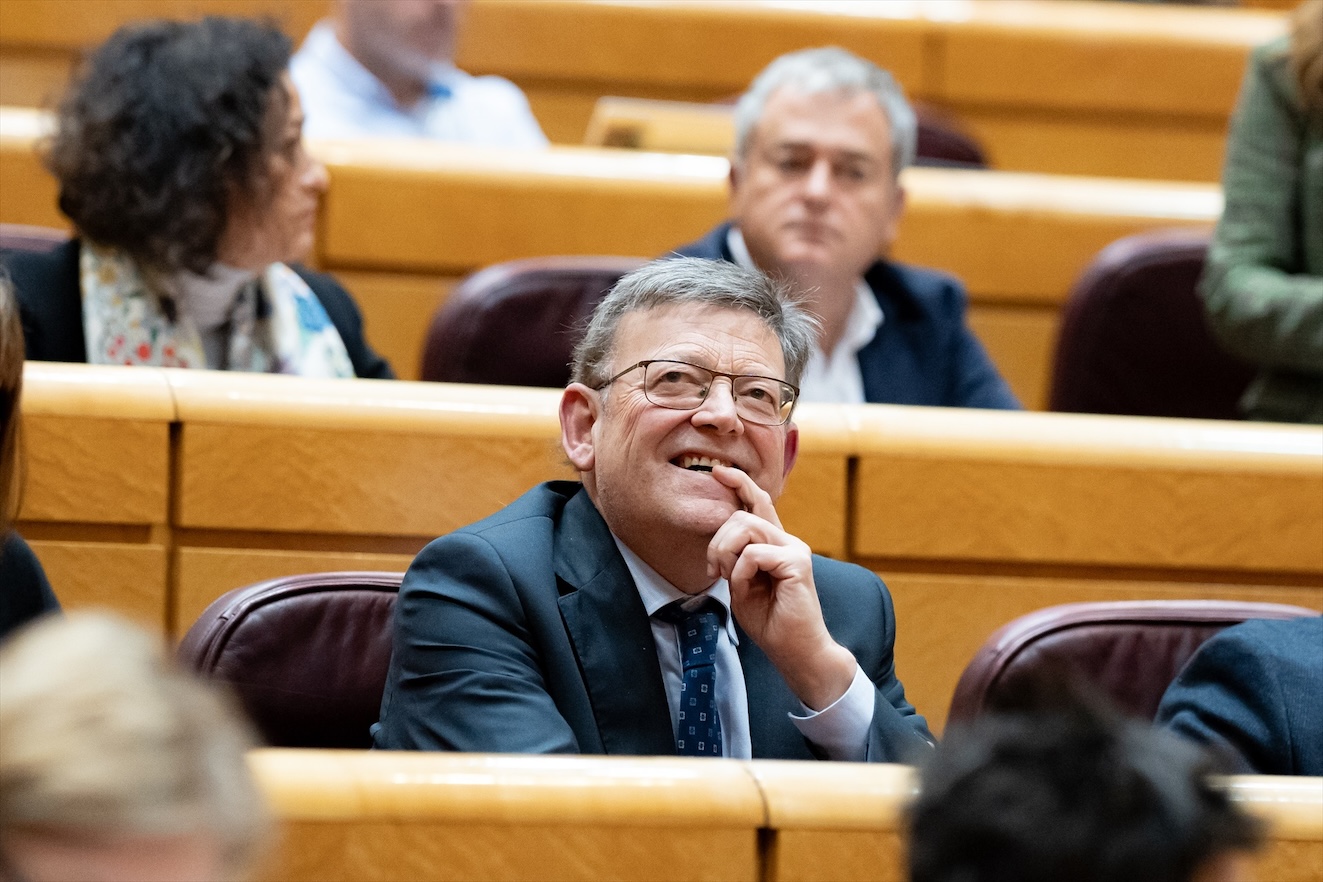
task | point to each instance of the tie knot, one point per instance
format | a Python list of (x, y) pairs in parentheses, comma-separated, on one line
[(707, 614)]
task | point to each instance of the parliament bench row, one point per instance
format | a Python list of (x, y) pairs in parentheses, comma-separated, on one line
[(1098, 88), (403, 222), (157, 490), (364, 816)]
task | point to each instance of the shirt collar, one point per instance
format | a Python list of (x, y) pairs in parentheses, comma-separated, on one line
[(656, 592), (865, 315)]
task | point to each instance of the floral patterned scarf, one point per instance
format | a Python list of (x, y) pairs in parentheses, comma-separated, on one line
[(124, 322)]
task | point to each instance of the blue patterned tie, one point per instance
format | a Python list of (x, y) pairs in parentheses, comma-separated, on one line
[(699, 732)]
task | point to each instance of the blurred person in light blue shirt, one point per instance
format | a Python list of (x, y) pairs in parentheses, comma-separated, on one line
[(384, 68)]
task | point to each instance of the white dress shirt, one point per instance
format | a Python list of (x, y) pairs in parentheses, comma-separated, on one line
[(342, 99), (834, 378), (840, 729)]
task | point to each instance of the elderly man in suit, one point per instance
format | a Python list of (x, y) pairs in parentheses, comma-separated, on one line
[(821, 138), (657, 607)]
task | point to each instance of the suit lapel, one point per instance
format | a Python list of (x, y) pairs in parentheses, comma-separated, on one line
[(611, 635), (771, 734)]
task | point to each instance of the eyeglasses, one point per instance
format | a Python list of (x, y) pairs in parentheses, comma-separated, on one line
[(679, 385)]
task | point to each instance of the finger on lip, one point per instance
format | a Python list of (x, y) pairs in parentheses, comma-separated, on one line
[(738, 481)]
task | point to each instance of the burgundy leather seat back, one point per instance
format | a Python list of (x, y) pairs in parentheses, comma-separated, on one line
[(1130, 650), (306, 655), (943, 142), (517, 323), (21, 237), (1134, 339)]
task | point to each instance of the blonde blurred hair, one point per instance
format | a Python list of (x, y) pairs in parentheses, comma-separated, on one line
[(11, 388), (1307, 53), (106, 739)]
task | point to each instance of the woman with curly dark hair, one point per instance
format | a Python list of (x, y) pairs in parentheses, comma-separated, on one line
[(179, 154)]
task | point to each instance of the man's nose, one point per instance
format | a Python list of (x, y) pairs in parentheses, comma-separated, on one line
[(817, 185), (718, 408)]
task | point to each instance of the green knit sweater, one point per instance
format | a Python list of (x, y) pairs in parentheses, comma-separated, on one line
[(1263, 285)]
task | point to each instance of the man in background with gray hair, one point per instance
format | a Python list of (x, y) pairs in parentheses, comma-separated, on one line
[(815, 198)]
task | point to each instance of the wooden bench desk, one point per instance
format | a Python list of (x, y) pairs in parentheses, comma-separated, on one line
[(96, 445), (1092, 88), (1293, 811), (976, 517), (1095, 88), (363, 816), (403, 221), (406, 220), (366, 815)]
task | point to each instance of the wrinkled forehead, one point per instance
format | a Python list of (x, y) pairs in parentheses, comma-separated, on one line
[(724, 338)]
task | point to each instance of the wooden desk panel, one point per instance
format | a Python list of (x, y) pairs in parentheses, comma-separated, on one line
[(835, 822), (1173, 495), (349, 815), (1293, 808), (1062, 75), (95, 505), (360, 815)]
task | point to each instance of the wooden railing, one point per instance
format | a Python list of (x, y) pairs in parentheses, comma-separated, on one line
[(1093, 88), (403, 221), (383, 816)]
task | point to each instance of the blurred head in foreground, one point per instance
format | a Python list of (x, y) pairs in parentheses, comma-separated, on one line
[(115, 764), (1055, 786)]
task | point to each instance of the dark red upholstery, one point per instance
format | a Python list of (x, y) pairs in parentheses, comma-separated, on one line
[(306, 655), (20, 237), (1134, 339), (944, 142), (517, 323), (1131, 650)]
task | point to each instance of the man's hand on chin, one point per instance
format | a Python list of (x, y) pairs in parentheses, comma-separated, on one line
[(773, 596)]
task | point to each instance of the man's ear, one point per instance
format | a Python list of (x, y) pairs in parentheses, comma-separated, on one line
[(791, 450), (580, 408)]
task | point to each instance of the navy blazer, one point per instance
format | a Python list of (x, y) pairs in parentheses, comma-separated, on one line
[(1255, 690), (524, 633), (923, 353), (50, 302)]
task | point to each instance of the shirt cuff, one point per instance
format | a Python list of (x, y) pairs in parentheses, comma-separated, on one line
[(841, 728)]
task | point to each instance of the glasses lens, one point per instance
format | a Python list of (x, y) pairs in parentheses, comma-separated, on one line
[(681, 386), (676, 384), (762, 399)]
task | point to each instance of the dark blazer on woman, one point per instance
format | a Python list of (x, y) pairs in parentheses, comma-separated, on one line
[(51, 304), (24, 592)]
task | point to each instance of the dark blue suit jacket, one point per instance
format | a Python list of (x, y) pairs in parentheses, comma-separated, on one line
[(524, 633), (1255, 690), (51, 304), (923, 353)]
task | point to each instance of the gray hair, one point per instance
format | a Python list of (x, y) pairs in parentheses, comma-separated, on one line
[(692, 280), (829, 69)]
